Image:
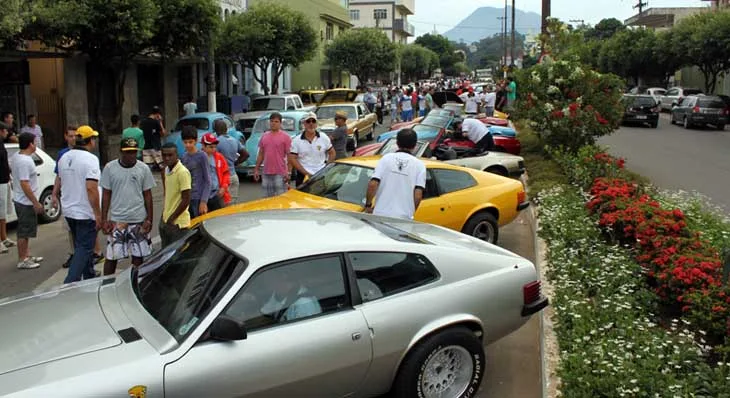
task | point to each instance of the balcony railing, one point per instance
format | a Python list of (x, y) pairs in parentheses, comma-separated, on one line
[(399, 25)]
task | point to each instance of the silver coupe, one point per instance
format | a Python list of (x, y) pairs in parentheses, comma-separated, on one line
[(276, 304)]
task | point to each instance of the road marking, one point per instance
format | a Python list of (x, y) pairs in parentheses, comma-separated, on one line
[(57, 278)]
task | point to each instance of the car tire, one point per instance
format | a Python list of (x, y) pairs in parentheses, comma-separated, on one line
[(482, 225), (720, 127), (685, 123), (450, 363), (49, 213), (500, 171)]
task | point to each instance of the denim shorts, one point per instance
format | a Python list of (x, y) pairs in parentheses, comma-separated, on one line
[(273, 184)]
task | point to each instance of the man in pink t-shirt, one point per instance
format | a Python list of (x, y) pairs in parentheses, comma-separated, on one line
[(273, 153)]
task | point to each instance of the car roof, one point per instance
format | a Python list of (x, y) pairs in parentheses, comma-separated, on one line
[(372, 161), (292, 114), (261, 236), (203, 115)]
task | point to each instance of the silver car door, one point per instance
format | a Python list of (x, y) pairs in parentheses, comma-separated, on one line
[(311, 342)]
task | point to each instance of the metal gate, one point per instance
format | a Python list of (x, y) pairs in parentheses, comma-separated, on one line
[(51, 118)]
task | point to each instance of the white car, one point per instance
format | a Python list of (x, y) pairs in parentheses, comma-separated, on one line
[(45, 166), (282, 303), (656, 92), (671, 98)]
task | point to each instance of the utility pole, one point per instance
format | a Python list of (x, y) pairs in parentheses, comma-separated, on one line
[(544, 32), (504, 37), (641, 6), (512, 52), (503, 27)]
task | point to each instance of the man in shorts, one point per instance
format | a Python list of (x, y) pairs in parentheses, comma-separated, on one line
[(27, 206), (153, 130), (4, 194), (126, 207)]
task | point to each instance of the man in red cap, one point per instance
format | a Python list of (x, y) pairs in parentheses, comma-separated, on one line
[(220, 176)]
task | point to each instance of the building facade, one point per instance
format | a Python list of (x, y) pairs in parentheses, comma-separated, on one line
[(329, 19), (389, 15)]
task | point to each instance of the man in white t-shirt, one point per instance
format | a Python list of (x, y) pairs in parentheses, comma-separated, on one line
[(478, 133), (310, 151), (79, 174), (27, 206), (471, 102), (490, 99), (398, 181)]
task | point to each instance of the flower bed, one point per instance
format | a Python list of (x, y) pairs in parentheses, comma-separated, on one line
[(624, 255)]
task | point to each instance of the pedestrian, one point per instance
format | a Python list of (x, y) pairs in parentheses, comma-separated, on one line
[(406, 107), (394, 106), (177, 186), (153, 130), (274, 148), (135, 132), (379, 105), (398, 181), (511, 92), (79, 175), (310, 151), (370, 99), (421, 104), (338, 136), (32, 127), (197, 164), (126, 207), (70, 138), (501, 100), (4, 193), (429, 99), (190, 107), (478, 133), (471, 107), (8, 119), (235, 154), (245, 102), (220, 176), (490, 99), (27, 206)]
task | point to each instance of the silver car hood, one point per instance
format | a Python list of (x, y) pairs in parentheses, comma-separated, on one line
[(53, 324)]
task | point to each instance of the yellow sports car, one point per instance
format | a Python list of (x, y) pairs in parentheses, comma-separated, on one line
[(467, 200)]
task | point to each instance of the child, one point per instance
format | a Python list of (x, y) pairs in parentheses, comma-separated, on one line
[(220, 175), (197, 164)]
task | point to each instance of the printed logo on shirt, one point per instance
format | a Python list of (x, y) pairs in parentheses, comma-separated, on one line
[(401, 164)]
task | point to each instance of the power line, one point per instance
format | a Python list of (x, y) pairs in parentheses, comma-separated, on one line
[(467, 27)]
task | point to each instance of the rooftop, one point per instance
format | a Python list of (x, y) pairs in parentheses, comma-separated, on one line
[(662, 17)]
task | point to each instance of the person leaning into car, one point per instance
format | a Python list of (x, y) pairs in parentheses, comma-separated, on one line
[(398, 181)]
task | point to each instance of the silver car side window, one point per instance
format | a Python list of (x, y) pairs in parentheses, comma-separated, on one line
[(292, 291), (381, 274)]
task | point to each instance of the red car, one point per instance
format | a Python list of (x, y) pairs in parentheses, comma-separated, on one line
[(502, 144)]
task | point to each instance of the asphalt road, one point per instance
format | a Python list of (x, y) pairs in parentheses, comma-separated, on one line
[(674, 158), (513, 367)]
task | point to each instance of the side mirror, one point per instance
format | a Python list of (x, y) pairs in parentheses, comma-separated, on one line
[(225, 328)]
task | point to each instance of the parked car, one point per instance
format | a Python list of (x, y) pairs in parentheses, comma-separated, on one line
[(671, 98), (700, 110), (45, 166), (641, 109), (436, 120), (656, 92), (360, 121), (311, 97), (291, 123), (268, 104), (499, 163), (467, 200), (204, 123), (203, 316)]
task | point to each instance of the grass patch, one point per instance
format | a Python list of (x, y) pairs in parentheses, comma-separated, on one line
[(543, 172)]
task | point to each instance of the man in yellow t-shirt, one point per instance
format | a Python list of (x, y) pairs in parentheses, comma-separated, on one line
[(177, 184)]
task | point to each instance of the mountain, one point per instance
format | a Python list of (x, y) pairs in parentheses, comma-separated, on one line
[(483, 23)]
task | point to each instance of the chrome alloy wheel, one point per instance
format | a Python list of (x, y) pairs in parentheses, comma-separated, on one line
[(447, 373)]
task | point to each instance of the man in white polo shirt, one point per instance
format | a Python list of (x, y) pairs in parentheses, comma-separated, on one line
[(310, 151), (398, 181), (478, 133)]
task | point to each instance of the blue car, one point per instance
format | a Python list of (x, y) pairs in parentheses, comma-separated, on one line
[(203, 122), (428, 128), (503, 131), (291, 121)]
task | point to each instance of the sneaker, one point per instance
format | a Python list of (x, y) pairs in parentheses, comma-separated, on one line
[(8, 243), (36, 259), (28, 264), (3, 248)]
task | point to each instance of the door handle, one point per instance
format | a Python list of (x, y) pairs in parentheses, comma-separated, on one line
[(443, 209), (356, 336)]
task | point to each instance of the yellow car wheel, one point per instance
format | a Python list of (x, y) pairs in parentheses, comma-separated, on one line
[(482, 225)]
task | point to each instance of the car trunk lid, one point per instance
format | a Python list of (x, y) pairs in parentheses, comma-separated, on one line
[(52, 325), (337, 96)]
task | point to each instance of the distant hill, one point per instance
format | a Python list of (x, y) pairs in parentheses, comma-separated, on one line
[(486, 17)]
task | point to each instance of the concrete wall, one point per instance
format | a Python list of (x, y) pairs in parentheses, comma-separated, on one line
[(170, 95), (75, 95), (131, 96)]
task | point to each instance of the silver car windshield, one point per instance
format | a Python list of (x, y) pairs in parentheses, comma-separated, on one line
[(340, 181), (179, 285), (391, 146)]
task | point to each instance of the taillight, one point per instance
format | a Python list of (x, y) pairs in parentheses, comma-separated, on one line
[(727, 111), (655, 109), (531, 292), (521, 197), (696, 109)]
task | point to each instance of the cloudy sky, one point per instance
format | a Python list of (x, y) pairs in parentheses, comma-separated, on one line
[(444, 17)]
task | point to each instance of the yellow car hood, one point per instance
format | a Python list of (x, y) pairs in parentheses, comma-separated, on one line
[(292, 199)]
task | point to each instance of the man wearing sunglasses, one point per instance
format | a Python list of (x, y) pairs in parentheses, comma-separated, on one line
[(310, 151)]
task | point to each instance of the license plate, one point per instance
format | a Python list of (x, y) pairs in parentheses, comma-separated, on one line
[(641, 117)]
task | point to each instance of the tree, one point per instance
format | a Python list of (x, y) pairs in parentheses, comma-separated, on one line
[(442, 47), (14, 15), (364, 53), (268, 35), (604, 29), (417, 61), (175, 34), (703, 40), (110, 33)]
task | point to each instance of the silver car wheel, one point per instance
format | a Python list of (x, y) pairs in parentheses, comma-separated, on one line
[(447, 373), (50, 212), (484, 231)]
